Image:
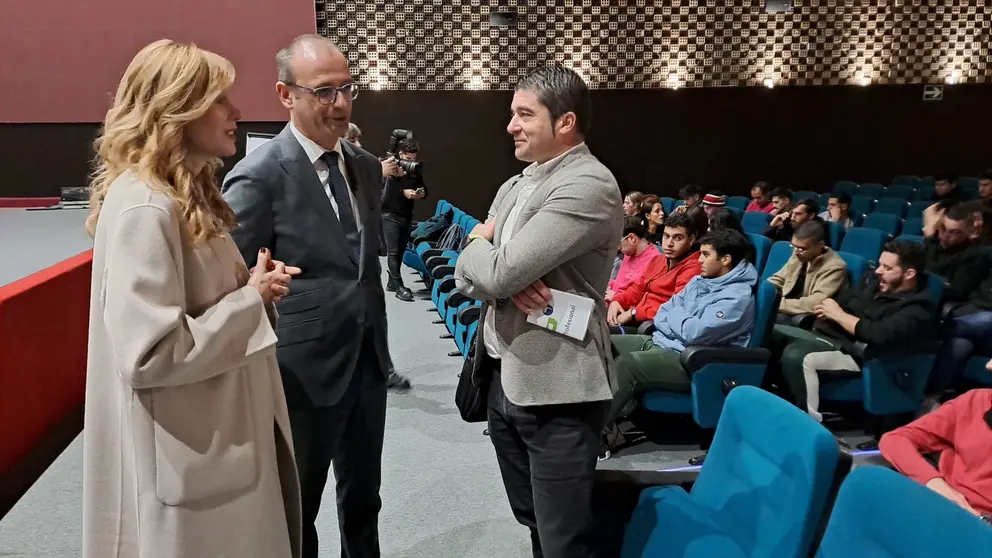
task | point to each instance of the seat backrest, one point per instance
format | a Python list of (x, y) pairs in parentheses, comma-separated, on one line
[(911, 238), (668, 204), (910, 180), (442, 207), (872, 190), (856, 267), (880, 513), (895, 206), (780, 253), (846, 186), (835, 235), (762, 245), (912, 226), (917, 207), (892, 224), (803, 194), (865, 242), (925, 192), (755, 221), (904, 191), (766, 299), (768, 474), (740, 202), (862, 204)]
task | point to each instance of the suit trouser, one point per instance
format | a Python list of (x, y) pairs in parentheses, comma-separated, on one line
[(396, 230), (349, 435), (642, 366), (547, 457), (804, 359)]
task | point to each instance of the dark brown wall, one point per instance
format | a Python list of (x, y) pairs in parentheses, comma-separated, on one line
[(653, 140)]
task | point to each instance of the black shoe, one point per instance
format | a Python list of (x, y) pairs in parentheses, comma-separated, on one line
[(404, 294), (397, 382)]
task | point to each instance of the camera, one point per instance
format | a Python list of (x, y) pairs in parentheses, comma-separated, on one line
[(411, 168)]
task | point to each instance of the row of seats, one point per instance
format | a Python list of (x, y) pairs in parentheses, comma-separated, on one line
[(458, 313), (775, 479)]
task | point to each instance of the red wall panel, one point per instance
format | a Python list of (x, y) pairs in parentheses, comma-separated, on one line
[(62, 61)]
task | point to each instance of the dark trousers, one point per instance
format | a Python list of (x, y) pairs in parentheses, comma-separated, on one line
[(547, 458), (349, 435), (969, 335), (643, 366), (396, 230)]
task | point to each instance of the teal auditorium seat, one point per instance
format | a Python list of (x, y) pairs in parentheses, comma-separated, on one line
[(864, 242), (882, 514), (738, 202), (762, 245), (872, 190), (714, 370), (835, 235), (761, 493), (847, 187), (862, 204), (912, 226), (887, 222), (910, 180), (903, 191), (754, 222), (916, 208), (668, 204), (856, 266), (779, 254), (895, 206), (803, 194)]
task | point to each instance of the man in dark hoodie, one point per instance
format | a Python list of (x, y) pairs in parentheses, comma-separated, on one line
[(890, 309), (955, 252)]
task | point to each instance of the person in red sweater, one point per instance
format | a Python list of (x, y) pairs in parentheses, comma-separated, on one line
[(961, 430), (663, 277), (760, 198)]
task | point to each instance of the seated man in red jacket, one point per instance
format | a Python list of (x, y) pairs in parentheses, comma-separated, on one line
[(662, 278), (961, 431)]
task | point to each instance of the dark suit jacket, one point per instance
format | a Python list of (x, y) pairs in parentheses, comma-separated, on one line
[(337, 299)]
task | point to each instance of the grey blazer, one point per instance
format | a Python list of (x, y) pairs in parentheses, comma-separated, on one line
[(280, 204), (567, 236)]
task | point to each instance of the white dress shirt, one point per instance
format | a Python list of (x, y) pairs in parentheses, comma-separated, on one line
[(314, 152), (533, 176)]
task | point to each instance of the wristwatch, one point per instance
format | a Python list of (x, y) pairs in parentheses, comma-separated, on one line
[(472, 237), (633, 312)]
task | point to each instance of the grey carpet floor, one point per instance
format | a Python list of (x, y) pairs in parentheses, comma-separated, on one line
[(441, 492)]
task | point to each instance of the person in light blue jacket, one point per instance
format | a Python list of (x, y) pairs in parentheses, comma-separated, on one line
[(716, 308)]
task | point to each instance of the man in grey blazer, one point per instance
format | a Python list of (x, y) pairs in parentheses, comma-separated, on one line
[(313, 199), (555, 226)]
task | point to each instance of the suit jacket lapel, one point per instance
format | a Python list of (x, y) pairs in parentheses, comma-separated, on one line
[(298, 165)]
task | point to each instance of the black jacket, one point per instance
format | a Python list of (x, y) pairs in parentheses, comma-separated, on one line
[(963, 268), (886, 321), (393, 200)]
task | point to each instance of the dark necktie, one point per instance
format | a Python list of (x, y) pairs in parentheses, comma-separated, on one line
[(339, 189), (799, 287)]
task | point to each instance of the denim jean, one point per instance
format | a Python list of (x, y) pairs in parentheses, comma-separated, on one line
[(396, 230), (969, 334)]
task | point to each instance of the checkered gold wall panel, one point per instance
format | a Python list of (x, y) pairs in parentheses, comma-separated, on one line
[(626, 44)]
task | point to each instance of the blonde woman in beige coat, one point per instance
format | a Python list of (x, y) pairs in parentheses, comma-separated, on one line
[(187, 447)]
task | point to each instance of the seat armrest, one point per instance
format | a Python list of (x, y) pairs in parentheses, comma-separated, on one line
[(430, 253), (468, 315), (695, 357), (947, 310), (446, 285), (646, 328), (442, 271), (802, 321), (434, 261), (863, 351), (455, 299)]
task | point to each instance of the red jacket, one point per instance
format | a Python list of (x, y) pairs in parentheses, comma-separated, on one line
[(657, 285)]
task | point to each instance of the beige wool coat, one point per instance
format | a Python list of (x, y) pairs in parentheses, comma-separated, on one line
[(187, 445)]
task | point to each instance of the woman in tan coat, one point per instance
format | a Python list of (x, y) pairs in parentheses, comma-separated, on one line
[(187, 447)]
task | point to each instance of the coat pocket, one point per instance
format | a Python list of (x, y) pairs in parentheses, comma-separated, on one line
[(205, 444), (292, 332)]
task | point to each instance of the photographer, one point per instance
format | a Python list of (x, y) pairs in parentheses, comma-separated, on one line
[(400, 190)]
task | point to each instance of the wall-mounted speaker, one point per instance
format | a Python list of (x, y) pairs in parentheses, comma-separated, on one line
[(778, 6)]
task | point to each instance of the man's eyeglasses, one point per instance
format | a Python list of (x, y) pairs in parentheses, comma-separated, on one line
[(327, 95)]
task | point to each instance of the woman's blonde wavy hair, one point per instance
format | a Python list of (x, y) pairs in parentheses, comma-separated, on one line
[(167, 86)]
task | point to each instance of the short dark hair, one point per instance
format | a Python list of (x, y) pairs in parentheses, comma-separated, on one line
[(682, 220), (948, 176), (782, 193), (690, 190), (723, 218), (408, 145), (700, 218), (728, 242), (635, 224), (812, 205), (761, 185), (912, 255), (987, 174), (813, 229), (561, 90), (842, 197), (962, 212)]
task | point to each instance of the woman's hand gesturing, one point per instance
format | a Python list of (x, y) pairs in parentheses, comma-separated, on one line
[(271, 277)]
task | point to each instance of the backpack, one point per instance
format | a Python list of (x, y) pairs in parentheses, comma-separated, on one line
[(452, 238)]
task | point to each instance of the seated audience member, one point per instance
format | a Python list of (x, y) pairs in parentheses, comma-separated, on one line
[(968, 332), (784, 223), (839, 210), (664, 276), (982, 211), (889, 310), (724, 219), (985, 187), (760, 198), (637, 254), (954, 252), (945, 194), (715, 308), (691, 194), (714, 201), (961, 431), (700, 218), (653, 213), (632, 203), (781, 200), (813, 274)]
